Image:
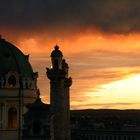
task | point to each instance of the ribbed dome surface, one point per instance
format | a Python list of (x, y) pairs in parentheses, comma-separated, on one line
[(12, 59)]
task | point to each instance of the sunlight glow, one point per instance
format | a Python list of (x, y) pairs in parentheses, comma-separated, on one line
[(123, 93)]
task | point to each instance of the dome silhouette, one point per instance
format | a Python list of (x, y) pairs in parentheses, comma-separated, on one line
[(12, 59), (56, 52)]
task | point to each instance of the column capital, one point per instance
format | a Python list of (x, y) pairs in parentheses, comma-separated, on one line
[(55, 74)]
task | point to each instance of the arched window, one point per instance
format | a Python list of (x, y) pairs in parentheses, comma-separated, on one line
[(12, 81), (56, 64), (12, 118)]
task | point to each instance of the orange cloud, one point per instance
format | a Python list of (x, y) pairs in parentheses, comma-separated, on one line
[(95, 59)]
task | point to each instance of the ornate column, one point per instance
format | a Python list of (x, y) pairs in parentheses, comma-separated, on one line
[(59, 96)]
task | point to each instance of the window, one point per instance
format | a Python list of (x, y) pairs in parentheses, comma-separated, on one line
[(12, 81), (110, 137), (125, 138), (56, 64), (119, 137), (12, 118)]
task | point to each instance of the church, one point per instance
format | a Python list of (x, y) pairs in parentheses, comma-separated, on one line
[(23, 116)]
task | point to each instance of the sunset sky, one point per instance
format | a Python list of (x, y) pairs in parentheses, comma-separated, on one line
[(100, 40)]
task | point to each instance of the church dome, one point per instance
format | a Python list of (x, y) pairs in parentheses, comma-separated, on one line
[(56, 52), (12, 59)]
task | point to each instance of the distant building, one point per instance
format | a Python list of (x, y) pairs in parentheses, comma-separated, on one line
[(106, 135), (105, 125)]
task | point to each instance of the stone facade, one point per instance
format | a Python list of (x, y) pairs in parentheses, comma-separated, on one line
[(17, 89)]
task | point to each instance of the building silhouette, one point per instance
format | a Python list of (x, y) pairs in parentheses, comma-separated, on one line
[(59, 100), (17, 89), (105, 124), (23, 116), (37, 121)]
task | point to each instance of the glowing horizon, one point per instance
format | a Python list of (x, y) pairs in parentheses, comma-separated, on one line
[(91, 67)]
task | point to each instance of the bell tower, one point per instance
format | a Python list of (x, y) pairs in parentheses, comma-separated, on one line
[(59, 96)]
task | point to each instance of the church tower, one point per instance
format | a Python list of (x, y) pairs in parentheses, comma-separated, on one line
[(59, 96)]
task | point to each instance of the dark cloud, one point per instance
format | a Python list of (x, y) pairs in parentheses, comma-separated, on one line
[(100, 59), (121, 16)]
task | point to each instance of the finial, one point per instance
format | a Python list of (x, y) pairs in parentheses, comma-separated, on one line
[(56, 47), (56, 52)]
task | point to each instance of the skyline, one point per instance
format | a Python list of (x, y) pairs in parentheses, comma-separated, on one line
[(100, 40)]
